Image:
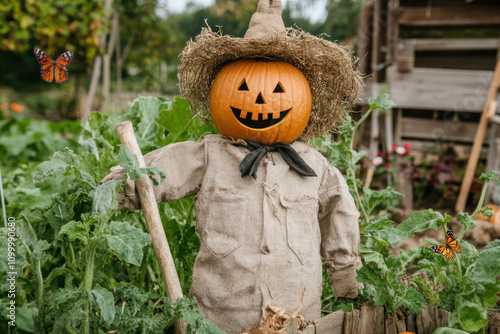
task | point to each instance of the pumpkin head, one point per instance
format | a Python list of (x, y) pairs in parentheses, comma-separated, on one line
[(260, 101)]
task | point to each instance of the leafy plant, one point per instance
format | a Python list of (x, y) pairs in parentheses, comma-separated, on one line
[(467, 286), (82, 265)]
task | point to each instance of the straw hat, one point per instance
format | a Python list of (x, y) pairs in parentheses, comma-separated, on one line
[(328, 67)]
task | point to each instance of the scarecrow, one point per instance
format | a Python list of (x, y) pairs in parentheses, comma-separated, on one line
[(267, 205)]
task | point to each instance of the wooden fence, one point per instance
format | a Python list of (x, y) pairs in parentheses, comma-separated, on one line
[(370, 319)]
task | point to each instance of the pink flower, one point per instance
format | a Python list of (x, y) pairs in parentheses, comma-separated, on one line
[(377, 161), (388, 166), (400, 150)]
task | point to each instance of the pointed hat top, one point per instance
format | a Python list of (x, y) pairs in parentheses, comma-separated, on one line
[(266, 20)]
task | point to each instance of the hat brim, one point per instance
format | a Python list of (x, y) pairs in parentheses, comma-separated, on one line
[(328, 67)]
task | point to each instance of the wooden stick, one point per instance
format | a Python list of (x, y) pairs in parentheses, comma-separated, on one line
[(149, 206), (474, 155), (487, 115)]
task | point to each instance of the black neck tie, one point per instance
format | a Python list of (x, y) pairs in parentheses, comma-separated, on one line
[(250, 163)]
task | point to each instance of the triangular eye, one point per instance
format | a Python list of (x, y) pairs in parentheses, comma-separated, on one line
[(243, 85), (279, 88)]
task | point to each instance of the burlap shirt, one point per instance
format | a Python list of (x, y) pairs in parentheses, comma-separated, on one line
[(260, 239)]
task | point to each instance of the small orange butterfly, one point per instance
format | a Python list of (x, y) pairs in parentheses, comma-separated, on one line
[(451, 245), (53, 70)]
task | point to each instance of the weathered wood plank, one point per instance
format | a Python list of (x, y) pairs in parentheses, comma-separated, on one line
[(390, 325), (462, 150), (435, 16), (454, 44), (439, 89), (401, 325), (371, 319), (427, 321), (351, 322), (493, 322), (410, 323), (441, 317), (364, 38), (331, 324), (432, 318), (429, 129)]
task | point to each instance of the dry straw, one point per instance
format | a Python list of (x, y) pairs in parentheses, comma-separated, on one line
[(328, 67)]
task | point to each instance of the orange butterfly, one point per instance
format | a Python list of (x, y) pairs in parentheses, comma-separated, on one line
[(451, 245), (51, 70)]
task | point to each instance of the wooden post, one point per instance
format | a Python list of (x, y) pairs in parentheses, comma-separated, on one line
[(364, 38), (488, 112), (153, 221)]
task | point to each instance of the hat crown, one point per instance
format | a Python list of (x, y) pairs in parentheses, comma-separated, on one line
[(266, 20)]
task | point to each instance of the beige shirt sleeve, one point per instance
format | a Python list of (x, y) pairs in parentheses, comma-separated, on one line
[(184, 166), (338, 219)]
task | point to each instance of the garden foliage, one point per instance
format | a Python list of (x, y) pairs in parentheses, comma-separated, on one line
[(467, 286), (83, 266)]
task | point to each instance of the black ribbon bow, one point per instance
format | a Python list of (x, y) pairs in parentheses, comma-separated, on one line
[(250, 163)]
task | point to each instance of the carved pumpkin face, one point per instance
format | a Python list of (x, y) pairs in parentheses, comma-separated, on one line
[(264, 102)]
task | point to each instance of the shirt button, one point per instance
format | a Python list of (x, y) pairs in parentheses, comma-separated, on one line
[(265, 250)]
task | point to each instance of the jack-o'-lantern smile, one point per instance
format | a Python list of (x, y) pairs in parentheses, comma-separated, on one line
[(261, 101), (260, 123)]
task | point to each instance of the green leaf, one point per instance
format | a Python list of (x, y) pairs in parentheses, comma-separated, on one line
[(374, 197), (105, 198), (448, 330), (471, 307), (75, 230), (27, 235), (487, 212), (24, 319), (40, 247), (127, 241), (56, 272), (131, 165), (467, 220), (106, 303), (176, 116), (196, 322), (487, 268), (146, 110), (374, 257), (56, 167), (412, 299), (468, 316), (382, 101), (64, 163), (490, 176), (178, 120), (420, 221), (60, 212), (376, 286)]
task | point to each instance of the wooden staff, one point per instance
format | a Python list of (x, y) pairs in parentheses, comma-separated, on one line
[(488, 112), (144, 186)]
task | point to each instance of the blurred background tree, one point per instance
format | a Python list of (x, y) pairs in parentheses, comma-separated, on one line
[(145, 50)]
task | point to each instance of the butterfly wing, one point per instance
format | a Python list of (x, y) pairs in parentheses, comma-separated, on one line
[(443, 250), (61, 67), (451, 242), (47, 65)]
